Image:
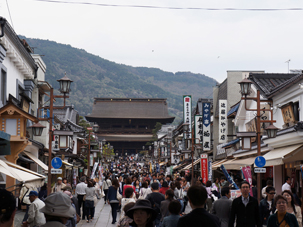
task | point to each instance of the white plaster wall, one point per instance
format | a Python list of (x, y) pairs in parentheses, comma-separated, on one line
[(44, 138), (75, 144), (12, 74)]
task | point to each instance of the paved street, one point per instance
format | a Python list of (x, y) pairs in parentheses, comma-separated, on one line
[(102, 216)]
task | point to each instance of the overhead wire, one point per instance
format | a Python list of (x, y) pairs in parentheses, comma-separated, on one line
[(173, 8), (9, 12)]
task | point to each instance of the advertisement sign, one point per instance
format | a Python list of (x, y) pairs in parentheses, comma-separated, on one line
[(228, 177), (247, 175), (204, 168), (94, 170), (235, 194), (187, 113), (206, 126), (222, 121), (210, 172), (198, 129)]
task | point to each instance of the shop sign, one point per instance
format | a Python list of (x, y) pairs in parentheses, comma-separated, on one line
[(260, 170), (210, 172), (247, 174), (206, 126), (222, 121), (235, 194), (204, 168), (220, 150), (56, 171), (187, 113), (287, 113), (198, 129)]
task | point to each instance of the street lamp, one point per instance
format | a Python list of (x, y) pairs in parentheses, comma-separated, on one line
[(37, 129), (95, 128), (65, 83), (245, 86)]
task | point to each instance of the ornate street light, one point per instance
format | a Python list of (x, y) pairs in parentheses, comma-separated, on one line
[(37, 129), (245, 86), (271, 131), (95, 128), (83, 149), (65, 83)]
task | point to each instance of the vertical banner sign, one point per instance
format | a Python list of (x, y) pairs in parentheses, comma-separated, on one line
[(75, 176), (204, 168), (206, 126), (228, 177), (247, 175), (187, 113), (210, 172), (222, 121), (94, 170), (198, 129)]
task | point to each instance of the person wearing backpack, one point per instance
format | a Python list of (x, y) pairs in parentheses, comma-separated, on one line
[(155, 199)]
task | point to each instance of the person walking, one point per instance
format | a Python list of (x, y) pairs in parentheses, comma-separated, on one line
[(58, 185), (245, 209), (105, 185), (282, 217), (164, 187), (292, 208), (35, 217), (155, 198), (267, 206), (209, 201), (142, 213), (169, 196), (128, 184), (286, 185), (221, 207), (80, 192), (112, 199), (57, 210), (179, 193), (89, 201), (144, 191), (129, 192), (174, 209), (197, 196), (7, 208)]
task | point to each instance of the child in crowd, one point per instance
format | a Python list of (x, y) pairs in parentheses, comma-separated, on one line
[(126, 221)]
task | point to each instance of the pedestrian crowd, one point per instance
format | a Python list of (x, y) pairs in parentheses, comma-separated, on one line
[(154, 200)]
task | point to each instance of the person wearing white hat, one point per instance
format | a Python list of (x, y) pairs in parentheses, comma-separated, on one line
[(59, 185), (58, 209)]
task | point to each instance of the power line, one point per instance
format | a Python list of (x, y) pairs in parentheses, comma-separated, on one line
[(174, 8), (9, 12)]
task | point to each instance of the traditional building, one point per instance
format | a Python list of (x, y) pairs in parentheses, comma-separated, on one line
[(127, 123)]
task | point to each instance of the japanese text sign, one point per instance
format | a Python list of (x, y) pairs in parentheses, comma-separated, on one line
[(198, 129), (187, 113), (204, 168), (222, 121), (206, 126)]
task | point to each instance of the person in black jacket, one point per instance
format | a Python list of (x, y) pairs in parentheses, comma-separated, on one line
[(267, 205), (245, 208), (198, 217)]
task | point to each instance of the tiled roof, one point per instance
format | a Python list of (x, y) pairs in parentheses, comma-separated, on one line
[(231, 142), (269, 82), (233, 110), (222, 94), (126, 108)]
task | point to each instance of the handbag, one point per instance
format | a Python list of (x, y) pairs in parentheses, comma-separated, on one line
[(102, 194), (119, 196)]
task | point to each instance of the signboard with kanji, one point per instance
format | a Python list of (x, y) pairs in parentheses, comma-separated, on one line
[(288, 114), (198, 129), (204, 168), (222, 121), (206, 126), (187, 113)]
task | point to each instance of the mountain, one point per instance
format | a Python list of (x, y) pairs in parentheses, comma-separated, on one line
[(94, 76)]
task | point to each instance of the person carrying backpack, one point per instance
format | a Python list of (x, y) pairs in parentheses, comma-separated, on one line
[(155, 199)]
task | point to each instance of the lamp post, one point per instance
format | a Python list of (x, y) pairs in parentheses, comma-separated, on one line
[(64, 83), (245, 86), (95, 129)]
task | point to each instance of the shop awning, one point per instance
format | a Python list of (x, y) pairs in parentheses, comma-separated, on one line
[(162, 163), (19, 173), (66, 163), (180, 166), (235, 164), (36, 160), (284, 154), (217, 164), (189, 166)]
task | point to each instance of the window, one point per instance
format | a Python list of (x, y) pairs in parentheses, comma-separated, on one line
[(11, 126), (63, 141), (143, 126), (117, 126), (296, 111), (3, 87)]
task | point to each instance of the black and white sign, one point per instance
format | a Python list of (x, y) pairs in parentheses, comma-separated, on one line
[(260, 170), (56, 171)]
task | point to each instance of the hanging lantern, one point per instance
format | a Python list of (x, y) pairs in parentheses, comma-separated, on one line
[(37, 129), (65, 83), (271, 131), (245, 86)]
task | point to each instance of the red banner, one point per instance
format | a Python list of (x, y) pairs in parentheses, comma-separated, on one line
[(204, 168), (247, 174)]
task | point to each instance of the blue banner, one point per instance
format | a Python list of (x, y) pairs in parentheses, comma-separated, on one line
[(230, 180), (301, 171), (210, 171)]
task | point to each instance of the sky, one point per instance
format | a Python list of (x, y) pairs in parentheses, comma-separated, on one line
[(209, 42)]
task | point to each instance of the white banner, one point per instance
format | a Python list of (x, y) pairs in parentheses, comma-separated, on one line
[(198, 129), (94, 170), (222, 121), (206, 126), (187, 113)]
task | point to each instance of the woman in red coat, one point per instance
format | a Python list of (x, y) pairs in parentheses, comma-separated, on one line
[(164, 188)]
